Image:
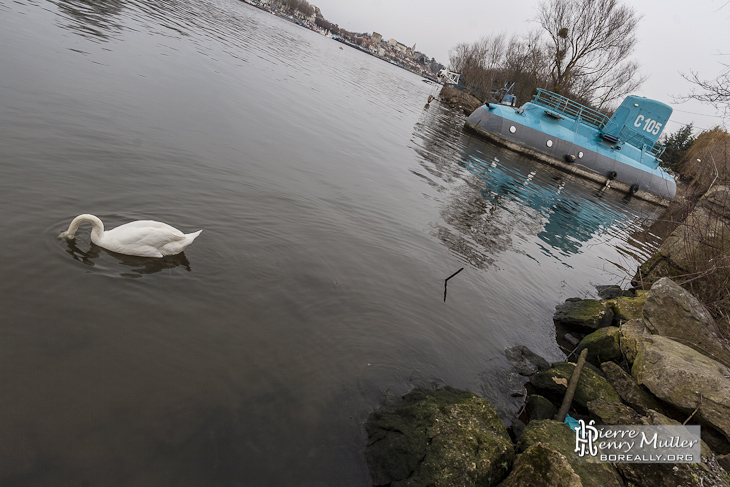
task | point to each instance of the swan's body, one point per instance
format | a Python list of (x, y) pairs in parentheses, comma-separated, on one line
[(144, 238)]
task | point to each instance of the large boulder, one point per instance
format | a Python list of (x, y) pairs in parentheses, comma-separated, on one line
[(603, 345), (673, 312), (539, 407), (584, 314), (629, 307), (610, 291), (442, 437), (525, 360), (671, 474), (696, 247), (453, 96), (633, 334), (654, 418), (541, 466), (613, 413), (717, 202), (619, 414), (591, 386), (631, 393), (559, 437), (685, 378), (705, 230)]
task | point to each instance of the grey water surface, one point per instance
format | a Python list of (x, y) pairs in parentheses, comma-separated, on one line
[(333, 205)]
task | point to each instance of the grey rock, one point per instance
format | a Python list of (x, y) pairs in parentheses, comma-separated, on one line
[(452, 95), (538, 407), (631, 393), (526, 361), (669, 475), (584, 314), (685, 378), (632, 334), (542, 466), (591, 385), (609, 292), (516, 384), (673, 312), (628, 308), (603, 345), (442, 437), (613, 413), (658, 419), (704, 233), (559, 437)]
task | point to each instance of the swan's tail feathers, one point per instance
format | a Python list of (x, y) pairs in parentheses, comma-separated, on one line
[(192, 236)]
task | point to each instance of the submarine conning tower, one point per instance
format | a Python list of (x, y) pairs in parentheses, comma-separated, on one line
[(639, 122)]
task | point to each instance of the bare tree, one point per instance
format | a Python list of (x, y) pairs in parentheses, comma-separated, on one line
[(474, 61), (589, 43), (526, 64), (715, 92), (486, 65), (482, 63)]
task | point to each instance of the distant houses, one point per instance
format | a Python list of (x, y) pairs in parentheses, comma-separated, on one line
[(395, 52)]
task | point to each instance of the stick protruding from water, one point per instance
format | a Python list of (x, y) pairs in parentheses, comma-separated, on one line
[(447, 280)]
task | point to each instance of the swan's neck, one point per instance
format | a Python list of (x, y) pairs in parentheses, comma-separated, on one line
[(97, 227)]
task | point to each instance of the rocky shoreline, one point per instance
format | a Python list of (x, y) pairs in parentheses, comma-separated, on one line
[(654, 357), (636, 374)]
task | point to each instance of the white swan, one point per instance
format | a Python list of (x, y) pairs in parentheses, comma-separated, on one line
[(144, 238)]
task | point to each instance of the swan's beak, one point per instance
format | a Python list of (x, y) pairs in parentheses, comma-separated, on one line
[(65, 235)]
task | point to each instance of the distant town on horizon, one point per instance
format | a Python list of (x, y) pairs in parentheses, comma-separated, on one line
[(309, 16)]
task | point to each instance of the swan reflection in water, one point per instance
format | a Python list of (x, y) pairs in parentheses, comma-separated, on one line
[(140, 265)]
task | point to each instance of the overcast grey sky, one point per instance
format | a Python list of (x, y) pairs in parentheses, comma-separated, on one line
[(675, 36)]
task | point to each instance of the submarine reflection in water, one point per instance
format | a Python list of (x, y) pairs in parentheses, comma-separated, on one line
[(569, 218)]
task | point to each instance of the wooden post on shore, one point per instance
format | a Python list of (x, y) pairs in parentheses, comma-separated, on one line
[(572, 385)]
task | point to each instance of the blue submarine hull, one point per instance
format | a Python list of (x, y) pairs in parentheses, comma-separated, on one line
[(571, 145)]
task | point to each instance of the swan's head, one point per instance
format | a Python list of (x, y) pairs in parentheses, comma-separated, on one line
[(97, 226)]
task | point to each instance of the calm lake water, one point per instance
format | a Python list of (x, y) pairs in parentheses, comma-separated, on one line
[(333, 206)]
